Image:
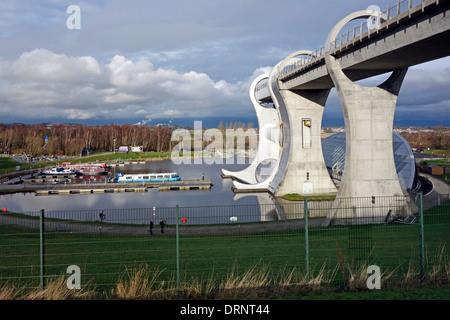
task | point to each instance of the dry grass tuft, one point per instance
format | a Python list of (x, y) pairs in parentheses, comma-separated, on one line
[(57, 290), (259, 281), (9, 293), (138, 283)]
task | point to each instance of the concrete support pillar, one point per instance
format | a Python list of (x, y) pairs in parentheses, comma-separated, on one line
[(369, 160), (370, 169), (301, 167), (369, 116), (305, 171)]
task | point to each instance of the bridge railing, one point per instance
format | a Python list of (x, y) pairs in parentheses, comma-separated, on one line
[(374, 23), (357, 31)]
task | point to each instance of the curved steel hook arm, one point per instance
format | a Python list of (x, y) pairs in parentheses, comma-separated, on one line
[(252, 92), (332, 64), (353, 16), (294, 54)]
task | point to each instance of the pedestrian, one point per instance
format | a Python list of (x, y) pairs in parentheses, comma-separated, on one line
[(150, 228), (102, 216), (162, 224), (203, 176)]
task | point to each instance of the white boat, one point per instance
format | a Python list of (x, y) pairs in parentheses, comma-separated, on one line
[(147, 177), (57, 171)]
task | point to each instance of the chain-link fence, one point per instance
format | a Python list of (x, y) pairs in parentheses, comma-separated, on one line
[(336, 240)]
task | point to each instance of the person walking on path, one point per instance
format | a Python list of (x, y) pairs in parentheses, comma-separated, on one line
[(102, 217), (150, 227), (162, 224)]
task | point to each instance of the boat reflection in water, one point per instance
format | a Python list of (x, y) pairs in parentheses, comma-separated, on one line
[(87, 169)]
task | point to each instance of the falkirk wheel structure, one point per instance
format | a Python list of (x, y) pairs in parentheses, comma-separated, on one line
[(289, 103), (290, 119)]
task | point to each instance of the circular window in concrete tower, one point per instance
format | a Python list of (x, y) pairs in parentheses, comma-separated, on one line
[(265, 169)]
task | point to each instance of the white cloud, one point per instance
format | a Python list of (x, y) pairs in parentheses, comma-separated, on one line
[(424, 96), (44, 65), (44, 85), (73, 114), (80, 88)]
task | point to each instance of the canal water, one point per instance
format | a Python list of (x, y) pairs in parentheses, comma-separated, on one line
[(218, 200)]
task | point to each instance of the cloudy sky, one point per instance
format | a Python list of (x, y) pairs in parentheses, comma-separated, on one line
[(152, 61)]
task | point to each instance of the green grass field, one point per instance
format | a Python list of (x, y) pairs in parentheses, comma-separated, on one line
[(336, 254), (7, 165), (110, 156)]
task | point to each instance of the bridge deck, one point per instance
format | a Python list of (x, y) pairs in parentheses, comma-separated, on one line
[(417, 35)]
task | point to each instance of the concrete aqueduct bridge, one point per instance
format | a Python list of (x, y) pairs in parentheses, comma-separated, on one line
[(407, 34)]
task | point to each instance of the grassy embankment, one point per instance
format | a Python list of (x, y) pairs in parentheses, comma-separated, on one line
[(252, 265), (298, 197)]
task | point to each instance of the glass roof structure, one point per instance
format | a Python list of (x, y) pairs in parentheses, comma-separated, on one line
[(333, 148)]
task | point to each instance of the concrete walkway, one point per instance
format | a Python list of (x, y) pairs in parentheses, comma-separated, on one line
[(440, 193), (111, 229)]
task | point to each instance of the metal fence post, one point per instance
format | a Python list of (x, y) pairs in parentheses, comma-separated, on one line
[(421, 238), (178, 247), (306, 239), (42, 248)]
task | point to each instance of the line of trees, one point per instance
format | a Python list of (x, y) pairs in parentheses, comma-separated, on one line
[(438, 138), (234, 125), (72, 139)]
